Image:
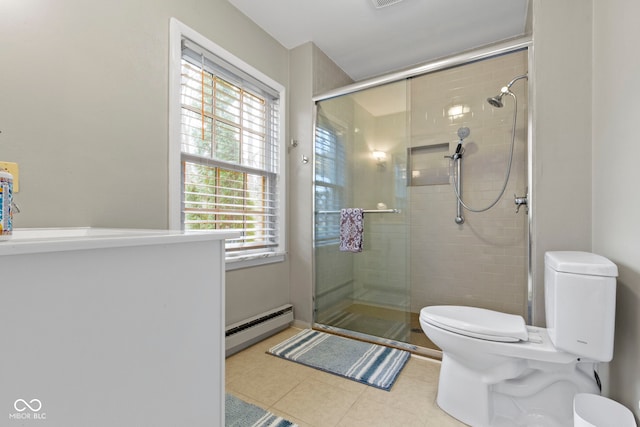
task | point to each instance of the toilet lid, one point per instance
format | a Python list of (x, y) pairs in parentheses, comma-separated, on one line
[(477, 322)]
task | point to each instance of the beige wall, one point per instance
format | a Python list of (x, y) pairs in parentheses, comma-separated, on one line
[(616, 229), (561, 99), (312, 72), (84, 102), (300, 178), (584, 159), (83, 110)]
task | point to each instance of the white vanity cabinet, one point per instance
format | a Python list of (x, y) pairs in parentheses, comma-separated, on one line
[(109, 327)]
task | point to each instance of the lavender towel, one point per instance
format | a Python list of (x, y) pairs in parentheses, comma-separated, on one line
[(351, 229)]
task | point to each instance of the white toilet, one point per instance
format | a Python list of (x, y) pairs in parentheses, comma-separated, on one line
[(497, 371)]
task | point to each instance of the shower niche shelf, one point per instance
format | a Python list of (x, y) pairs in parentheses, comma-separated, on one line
[(427, 164)]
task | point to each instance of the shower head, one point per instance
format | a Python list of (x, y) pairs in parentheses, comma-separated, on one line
[(496, 101)]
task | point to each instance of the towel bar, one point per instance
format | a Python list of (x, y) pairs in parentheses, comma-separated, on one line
[(364, 211)]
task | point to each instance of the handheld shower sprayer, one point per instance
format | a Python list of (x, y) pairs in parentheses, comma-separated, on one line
[(496, 101), (456, 164), (463, 132)]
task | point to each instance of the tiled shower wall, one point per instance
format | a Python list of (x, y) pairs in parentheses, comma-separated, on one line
[(482, 262)]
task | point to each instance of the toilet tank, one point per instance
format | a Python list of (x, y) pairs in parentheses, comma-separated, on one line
[(580, 303)]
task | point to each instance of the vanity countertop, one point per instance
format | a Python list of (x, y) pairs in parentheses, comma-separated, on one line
[(39, 240)]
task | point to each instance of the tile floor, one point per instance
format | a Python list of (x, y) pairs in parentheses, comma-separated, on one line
[(312, 398)]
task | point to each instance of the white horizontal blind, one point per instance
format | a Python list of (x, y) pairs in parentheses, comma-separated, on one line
[(330, 183), (229, 155)]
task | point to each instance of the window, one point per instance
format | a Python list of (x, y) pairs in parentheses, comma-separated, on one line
[(228, 152), (329, 181)]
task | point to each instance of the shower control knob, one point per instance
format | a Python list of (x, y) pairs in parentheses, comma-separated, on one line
[(519, 201)]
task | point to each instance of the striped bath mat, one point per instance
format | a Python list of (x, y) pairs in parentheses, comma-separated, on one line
[(239, 413), (370, 364)]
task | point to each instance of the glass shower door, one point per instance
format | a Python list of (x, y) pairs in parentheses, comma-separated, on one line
[(390, 150), (360, 162)]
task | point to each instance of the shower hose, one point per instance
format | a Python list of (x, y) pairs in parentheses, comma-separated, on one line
[(506, 178)]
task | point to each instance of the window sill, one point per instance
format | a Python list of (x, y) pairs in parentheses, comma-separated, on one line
[(253, 261)]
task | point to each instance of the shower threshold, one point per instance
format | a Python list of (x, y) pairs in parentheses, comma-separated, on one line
[(412, 348), (403, 335)]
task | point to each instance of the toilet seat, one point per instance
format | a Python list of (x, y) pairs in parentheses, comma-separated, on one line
[(477, 322)]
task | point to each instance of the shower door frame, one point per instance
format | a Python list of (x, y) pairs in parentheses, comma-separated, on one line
[(468, 57)]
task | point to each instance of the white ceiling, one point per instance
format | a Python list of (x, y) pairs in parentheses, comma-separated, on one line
[(365, 41)]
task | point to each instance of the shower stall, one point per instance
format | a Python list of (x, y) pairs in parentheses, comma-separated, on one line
[(402, 149)]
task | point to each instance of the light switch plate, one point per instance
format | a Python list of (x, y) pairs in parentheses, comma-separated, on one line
[(12, 168)]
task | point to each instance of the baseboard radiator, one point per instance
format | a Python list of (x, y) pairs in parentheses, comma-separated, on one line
[(254, 329)]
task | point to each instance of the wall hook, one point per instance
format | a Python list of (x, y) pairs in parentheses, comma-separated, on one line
[(292, 144)]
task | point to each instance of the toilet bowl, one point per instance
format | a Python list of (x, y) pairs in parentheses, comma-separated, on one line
[(500, 383), (498, 371)]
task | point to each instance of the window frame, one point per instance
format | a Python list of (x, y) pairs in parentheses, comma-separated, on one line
[(179, 32)]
